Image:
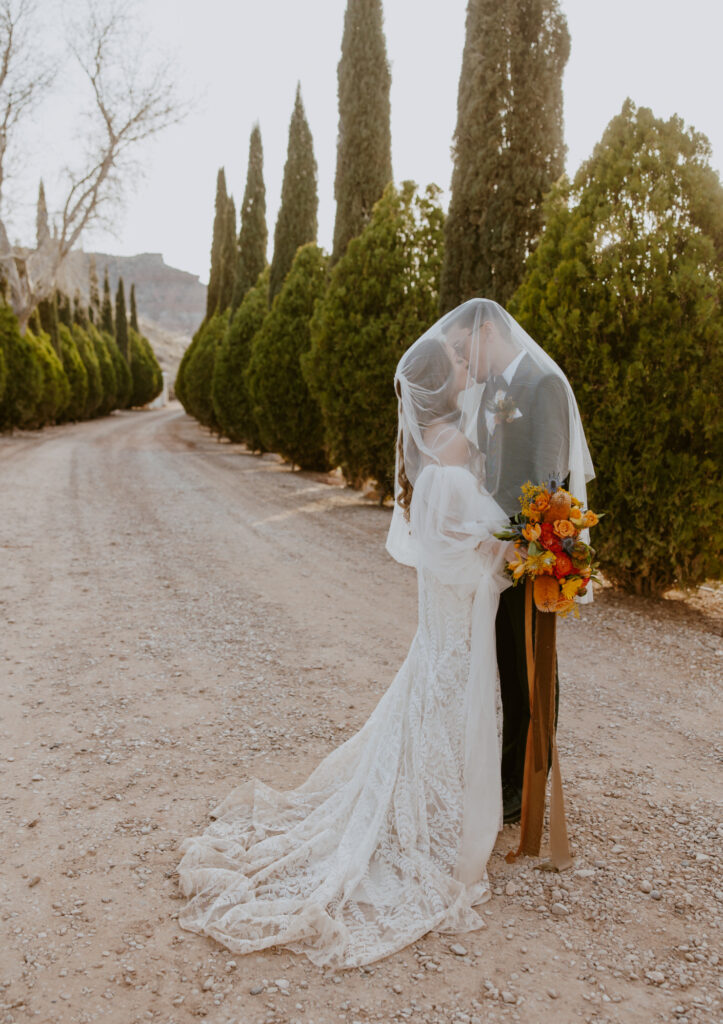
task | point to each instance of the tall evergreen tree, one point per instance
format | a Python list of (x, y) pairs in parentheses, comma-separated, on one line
[(508, 144), (42, 230), (229, 257), (364, 147), (296, 224), (80, 313), (219, 225), (253, 235), (134, 311), (94, 298), (48, 315), (106, 310), (121, 322)]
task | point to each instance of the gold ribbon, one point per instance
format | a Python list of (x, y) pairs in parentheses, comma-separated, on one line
[(540, 740)]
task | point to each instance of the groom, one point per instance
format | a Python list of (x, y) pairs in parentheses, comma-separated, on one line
[(523, 430)]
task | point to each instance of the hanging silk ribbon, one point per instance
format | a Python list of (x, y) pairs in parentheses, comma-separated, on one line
[(541, 742)]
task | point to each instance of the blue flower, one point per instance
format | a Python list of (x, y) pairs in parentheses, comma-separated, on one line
[(568, 544)]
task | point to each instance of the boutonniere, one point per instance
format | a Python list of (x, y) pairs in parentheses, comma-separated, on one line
[(503, 408)]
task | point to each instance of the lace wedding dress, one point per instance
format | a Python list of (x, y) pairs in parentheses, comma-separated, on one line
[(390, 836)]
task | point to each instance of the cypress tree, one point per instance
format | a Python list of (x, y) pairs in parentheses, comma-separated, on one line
[(76, 374), (229, 258), (42, 230), (48, 315), (625, 291), (80, 313), (134, 311), (508, 144), (253, 235), (231, 401), (383, 293), (286, 413), (121, 323), (145, 370), (219, 225), (364, 147), (65, 311), (106, 311), (94, 298), (296, 224)]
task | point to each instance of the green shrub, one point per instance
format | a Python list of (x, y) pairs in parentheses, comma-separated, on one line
[(287, 415), (24, 375), (123, 379), (76, 374), (382, 296), (55, 392), (231, 402), (625, 292), (145, 370), (3, 374), (86, 350), (179, 385), (198, 372), (109, 383)]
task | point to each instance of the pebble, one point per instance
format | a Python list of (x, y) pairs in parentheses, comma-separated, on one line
[(645, 886), (510, 889), (656, 894), (207, 985), (256, 990), (508, 997), (282, 984), (559, 910), (398, 989), (655, 977), (458, 949), (552, 993), (33, 881)]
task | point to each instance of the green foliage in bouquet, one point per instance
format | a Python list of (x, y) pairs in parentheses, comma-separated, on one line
[(382, 295), (76, 373), (198, 370), (145, 370), (625, 292), (231, 402), (23, 375), (287, 415)]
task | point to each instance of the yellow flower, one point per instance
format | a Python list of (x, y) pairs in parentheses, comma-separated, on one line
[(534, 517), (590, 519), (570, 588), (531, 532)]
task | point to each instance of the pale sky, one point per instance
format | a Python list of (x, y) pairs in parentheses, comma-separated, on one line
[(240, 61)]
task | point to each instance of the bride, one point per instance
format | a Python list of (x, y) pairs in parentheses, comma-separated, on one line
[(390, 836)]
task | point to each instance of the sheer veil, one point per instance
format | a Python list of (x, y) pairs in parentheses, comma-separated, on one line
[(476, 390)]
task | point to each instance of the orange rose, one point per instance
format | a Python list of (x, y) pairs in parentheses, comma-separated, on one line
[(590, 519), (564, 528), (541, 502), (531, 532)]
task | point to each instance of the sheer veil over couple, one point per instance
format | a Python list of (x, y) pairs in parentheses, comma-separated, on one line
[(390, 836)]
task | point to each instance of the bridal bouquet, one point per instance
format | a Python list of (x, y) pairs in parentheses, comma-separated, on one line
[(546, 534)]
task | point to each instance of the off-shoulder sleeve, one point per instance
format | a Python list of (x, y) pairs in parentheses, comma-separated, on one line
[(450, 516)]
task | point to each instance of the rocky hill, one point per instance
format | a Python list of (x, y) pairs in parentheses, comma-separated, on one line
[(171, 303)]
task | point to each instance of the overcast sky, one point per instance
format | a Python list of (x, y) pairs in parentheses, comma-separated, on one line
[(240, 61)]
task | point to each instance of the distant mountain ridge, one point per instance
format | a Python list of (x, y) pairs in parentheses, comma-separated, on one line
[(171, 302)]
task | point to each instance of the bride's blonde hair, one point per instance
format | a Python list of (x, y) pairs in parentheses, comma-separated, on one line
[(430, 367)]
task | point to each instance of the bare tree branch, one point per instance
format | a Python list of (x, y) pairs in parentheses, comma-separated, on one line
[(130, 101)]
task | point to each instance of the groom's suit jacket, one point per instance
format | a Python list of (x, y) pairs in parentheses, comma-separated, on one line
[(535, 444)]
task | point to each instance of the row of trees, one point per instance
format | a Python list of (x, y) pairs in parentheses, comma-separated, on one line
[(617, 274), (74, 362)]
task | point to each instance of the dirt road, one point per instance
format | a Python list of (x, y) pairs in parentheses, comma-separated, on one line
[(178, 616)]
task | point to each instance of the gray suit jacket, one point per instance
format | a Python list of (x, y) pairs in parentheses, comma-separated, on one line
[(535, 445)]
